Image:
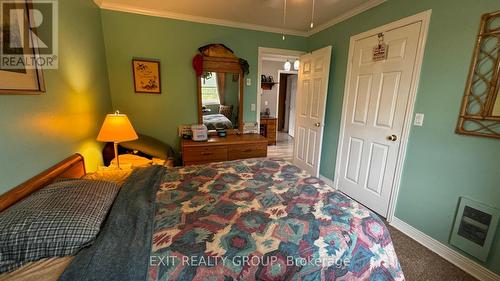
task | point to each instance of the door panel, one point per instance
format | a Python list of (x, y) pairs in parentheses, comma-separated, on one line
[(376, 167), (311, 147), (300, 148), (376, 100), (387, 98), (304, 98), (354, 159), (313, 85), (316, 99), (362, 98)]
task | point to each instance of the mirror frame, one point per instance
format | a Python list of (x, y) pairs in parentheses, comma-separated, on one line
[(225, 65), (482, 122)]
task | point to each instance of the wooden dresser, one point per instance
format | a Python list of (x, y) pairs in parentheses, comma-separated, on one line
[(218, 149), (268, 129)]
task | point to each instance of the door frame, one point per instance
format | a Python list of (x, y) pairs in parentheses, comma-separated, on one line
[(275, 52), (423, 17)]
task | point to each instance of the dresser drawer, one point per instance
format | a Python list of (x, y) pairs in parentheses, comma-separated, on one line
[(204, 154), (247, 151)]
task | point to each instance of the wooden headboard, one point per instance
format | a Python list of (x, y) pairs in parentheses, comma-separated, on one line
[(71, 167)]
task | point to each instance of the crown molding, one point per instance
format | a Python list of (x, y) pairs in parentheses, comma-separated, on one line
[(347, 15), (206, 20), (197, 19)]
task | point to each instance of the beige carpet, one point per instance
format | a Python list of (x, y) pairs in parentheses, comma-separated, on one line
[(421, 264)]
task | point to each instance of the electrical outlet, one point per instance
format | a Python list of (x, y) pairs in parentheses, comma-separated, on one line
[(419, 119), (252, 107), (249, 82), (266, 102)]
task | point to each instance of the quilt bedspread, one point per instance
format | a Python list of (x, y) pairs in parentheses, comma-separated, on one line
[(262, 219)]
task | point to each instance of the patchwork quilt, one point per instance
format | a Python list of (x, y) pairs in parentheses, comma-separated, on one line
[(262, 219)]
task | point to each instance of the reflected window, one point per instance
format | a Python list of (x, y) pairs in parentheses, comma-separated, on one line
[(209, 90)]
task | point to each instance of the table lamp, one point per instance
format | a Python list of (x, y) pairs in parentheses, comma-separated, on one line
[(117, 128)]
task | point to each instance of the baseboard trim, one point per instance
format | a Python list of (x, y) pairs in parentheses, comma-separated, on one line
[(464, 263), (327, 181)]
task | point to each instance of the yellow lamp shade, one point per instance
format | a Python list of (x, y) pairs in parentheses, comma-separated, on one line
[(117, 128)]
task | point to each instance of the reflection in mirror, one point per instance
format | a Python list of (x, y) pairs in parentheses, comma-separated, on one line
[(220, 100)]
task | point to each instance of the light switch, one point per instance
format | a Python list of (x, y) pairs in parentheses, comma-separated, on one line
[(266, 102), (419, 119), (249, 82), (252, 107)]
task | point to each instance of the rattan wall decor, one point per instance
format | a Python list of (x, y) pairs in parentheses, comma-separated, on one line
[(480, 112)]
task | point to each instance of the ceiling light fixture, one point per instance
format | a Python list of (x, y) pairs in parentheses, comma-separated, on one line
[(284, 17), (312, 14), (296, 64), (287, 66)]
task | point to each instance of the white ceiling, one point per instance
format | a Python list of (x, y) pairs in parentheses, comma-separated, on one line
[(266, 15)]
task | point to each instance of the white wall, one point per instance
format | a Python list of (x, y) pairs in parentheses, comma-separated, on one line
[(270, 68)]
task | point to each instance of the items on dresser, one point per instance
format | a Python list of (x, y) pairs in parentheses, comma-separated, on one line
[(185, 131), (199, 132), (217, 149), (268, 129), (221, 133)]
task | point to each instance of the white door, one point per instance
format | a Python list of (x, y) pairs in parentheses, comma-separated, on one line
[(310, 105), (375, 105)]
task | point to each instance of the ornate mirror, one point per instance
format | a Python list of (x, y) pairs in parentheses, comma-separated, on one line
[(480, 113), (220, 88)]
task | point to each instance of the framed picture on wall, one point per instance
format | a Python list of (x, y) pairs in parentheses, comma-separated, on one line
[(146, 76), (17, 74)]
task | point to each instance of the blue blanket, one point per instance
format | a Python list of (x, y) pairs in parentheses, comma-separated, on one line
[(122, 249)]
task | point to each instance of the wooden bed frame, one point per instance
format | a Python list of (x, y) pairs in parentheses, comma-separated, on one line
[(71, 167)]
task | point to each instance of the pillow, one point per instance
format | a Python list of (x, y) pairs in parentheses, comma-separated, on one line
[(55, 221), (113, 175), (134, 160), (149, 146), (226, 110)]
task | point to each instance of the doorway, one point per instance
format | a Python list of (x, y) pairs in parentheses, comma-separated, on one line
[(285, 123), (377, 111), (276, 100), (286, 102)]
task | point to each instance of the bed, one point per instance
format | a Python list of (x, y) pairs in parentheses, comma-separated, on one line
[(217, 121), (255, 219)]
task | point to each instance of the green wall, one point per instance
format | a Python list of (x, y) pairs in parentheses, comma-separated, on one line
[(37, 131), (175, 43), (440, 165)]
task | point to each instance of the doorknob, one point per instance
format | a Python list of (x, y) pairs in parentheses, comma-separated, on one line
[(392, 138), (317, 124)]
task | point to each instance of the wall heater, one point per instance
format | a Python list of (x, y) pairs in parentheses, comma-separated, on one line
[(474, 228)]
